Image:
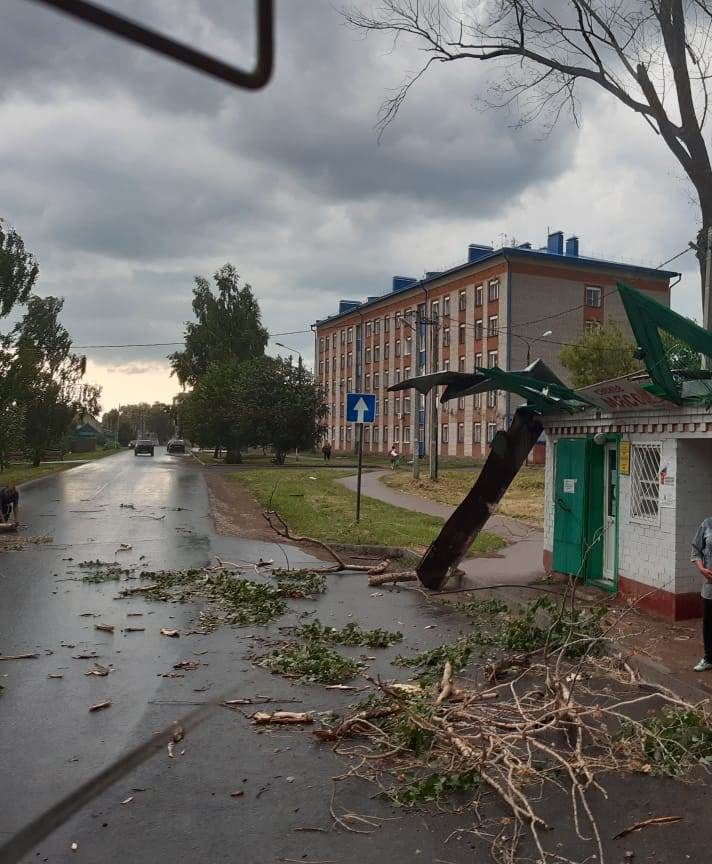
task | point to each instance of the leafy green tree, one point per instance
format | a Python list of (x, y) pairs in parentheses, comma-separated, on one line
[(211, 415), (228, 327), (12, 424), (602, 353), (49, 376)]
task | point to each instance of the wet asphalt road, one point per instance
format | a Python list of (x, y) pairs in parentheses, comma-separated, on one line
[(181, 808)]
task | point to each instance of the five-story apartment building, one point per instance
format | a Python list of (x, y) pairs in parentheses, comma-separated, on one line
[(502, 307)]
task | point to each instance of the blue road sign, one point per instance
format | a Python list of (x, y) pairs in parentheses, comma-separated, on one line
[(360, 407)]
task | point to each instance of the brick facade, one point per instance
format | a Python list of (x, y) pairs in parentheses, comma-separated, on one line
[(510, 298)]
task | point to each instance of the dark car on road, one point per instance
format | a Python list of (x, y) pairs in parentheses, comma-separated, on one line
[(175, 445), (144, 446)]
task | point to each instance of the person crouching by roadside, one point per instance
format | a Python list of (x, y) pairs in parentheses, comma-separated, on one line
[(702, 558), (9, 504)]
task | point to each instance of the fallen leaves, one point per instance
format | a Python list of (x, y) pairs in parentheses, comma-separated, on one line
[(98, 670), (172, 634), (186, 664)]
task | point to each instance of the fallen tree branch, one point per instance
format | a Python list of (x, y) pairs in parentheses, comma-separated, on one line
[(657, 820), (376, 579)]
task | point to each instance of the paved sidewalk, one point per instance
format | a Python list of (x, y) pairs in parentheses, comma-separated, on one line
[(519, 563)]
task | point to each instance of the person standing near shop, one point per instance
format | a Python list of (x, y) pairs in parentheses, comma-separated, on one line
[(702, 559)]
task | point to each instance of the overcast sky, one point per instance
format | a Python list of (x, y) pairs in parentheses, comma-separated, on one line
[(127, 175)]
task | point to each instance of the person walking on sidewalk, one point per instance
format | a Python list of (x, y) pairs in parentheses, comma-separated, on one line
[(9, 504), (702, 558), (394, 456), (326, 451)]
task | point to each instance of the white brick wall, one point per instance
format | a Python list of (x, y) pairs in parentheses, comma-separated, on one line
[(652, 554)]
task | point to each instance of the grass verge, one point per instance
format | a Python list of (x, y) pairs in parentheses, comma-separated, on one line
[(524, 499), (312, 503), (21, 472)]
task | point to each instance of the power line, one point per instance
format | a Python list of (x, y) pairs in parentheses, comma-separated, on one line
[(170, 344)]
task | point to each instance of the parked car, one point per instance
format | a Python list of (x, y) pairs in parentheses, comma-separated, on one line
[(175, 445), (144, 446)]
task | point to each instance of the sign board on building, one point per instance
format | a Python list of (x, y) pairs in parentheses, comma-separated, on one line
[(667, 486), (360, 407), (624, 457), (623, 394), (570, 485)]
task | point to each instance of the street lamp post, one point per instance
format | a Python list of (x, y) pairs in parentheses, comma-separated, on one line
[(528, 342), (299, 375)]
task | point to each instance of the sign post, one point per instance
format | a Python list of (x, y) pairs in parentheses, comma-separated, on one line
[(360, 409)]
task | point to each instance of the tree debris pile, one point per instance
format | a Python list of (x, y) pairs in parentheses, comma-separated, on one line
[(556, 727), (314, 663)]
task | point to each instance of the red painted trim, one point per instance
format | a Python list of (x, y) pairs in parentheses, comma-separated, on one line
[(548, 560), (659, 603)]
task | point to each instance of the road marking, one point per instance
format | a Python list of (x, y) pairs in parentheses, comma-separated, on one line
[(101, 488)]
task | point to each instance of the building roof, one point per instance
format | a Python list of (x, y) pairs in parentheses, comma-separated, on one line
[(486, 255)]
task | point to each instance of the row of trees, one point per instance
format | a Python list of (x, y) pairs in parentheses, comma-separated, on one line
[(240, 397), (133, 421), (42, 388)]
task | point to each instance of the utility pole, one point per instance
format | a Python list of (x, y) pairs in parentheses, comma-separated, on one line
[(706, 302), (433, 448)]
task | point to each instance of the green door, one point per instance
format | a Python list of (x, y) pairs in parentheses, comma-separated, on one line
[(570, 498)]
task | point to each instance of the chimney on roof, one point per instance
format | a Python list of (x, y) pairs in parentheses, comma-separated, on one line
[(555, 243), (475, 251), (572, 246), (400, 283)]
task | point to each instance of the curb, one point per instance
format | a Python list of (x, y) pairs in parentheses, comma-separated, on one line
[(657, 673)]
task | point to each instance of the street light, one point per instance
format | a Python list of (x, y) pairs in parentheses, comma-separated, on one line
[(293, 350), (528, 342)]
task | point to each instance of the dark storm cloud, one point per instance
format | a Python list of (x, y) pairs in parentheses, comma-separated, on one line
[(128, 174)]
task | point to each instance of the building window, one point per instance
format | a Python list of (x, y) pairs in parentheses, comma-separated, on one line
[(435, 308), (367, 383), (386, 324), (478, 400), (366, 434), (460, 433), (461, 364), (491, 432), (478, 295), (492, 359), (367, 358), (341, 434), (376, 381), (491, 398), (493, 292), (406, 435), (376, 353), (386, 375), (321, 345), (385, 406), (376, 330), (462, 302), (406, 372), (406, 404), (343, 336), (333, 339), (478, 360), (375, 434), (349, 360), (386, 350), (348, 433), (446, 365), (446, 337), (350, 334), (593, 296), (369, 328), (350, 384), (397, 404), (446, 306), (592, 325), (645, 482), (461, 334), (398, 350), (408, 345), (478, 328), (493, 325), (321, 367), (461, 404), (445, 433), (398, 320), (333, 365), (476, 433), (396, 434), (343, 361)]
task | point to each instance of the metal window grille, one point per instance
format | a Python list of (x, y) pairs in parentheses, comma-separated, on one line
[(645, 482)]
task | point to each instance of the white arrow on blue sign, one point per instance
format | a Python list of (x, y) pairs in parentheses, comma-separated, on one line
[(360, 407)]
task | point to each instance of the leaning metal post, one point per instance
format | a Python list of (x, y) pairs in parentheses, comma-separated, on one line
[(508, 454)]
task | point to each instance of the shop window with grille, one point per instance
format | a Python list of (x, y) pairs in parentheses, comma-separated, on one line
[(645, 482)]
